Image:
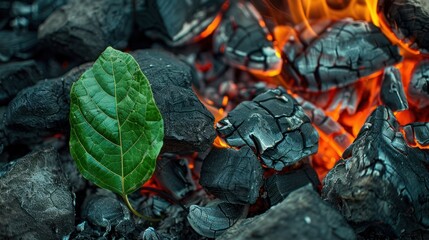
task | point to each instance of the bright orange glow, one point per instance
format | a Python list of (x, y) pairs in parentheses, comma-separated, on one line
[(213, 25)]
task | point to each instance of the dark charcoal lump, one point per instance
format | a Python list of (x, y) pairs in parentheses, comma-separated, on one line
[(16, 76), (409, 19), (212, 220), (392, 91), (417, 133), (343, 53), (174, 175), (274, 125), (188, 125), (418, 88), (232, 175), (280, 185), (17, 45), (381, 183), (40, 110), (84, 28), (35, 199), (176, 22), (302, 215), (243, 41)]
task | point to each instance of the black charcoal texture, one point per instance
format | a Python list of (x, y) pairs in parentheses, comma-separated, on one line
[(302, 215), (280, 185), (392, 93), (188, 125), (17, 45), (15, 76), (274, 125), (418, 88), (382, 183), (35, 200), (244, 42), (212, 220), (344, 52), (82, 29), (176, 22), (417, 133), (409, 19), (234, 176)]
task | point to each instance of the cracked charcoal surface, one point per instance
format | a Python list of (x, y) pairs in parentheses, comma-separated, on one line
[(302, 215), (392, 92), (176, 22), (234, 176), (174, 175), (211, 221), (409, 19), (70, 30), (418, 89), (16, 76), (274, 125), (40, 110), (279, 186), (188, 125), (19, 45), (382, 183), (343, 53), (35, 198), (244, 42), (417, 133)]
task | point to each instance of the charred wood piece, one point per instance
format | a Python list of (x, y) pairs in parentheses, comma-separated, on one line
[(177, 23), (245, 41), (71, 31), (382, 182), (274, 125), (234, 176), (417, 134), (16, 76), (341, 55), (409, 19), (280, 185), (35, 198), (150, 234), (392, 91), (418, 89), (174, 175), (302, 215), (18, 45), (188, 125), (211, 221)]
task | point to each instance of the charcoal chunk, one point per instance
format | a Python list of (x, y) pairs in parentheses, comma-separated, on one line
[(381, 183), (274, 125), (16, 76), (417, 134), (18, 45), (188, 126), (302, 215), (343, 53), (392, 91), (245, 41), (84, 28), (409, 19), (234, 176), (174, 175), (35, 198), (177, 22), (280, 185), (39, 111), (211, 221), (418, 89)]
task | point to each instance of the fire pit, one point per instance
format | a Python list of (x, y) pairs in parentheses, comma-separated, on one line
[(304, 119)]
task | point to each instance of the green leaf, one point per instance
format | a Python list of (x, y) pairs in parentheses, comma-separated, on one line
[(116, 127)]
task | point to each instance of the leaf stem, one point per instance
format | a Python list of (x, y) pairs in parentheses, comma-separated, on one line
[(127, 202)]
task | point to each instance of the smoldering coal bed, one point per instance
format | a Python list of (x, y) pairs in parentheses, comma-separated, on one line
[(290, 119)]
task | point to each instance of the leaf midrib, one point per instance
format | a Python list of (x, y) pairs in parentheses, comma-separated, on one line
[(119, 126)]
